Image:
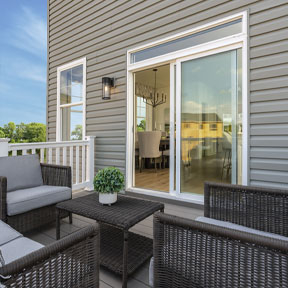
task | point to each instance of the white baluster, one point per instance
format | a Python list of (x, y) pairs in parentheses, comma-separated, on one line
[(91, 161), (87, 163), (83, 163), (57, 156), (42, 153), (64, 156), (14, 153), (50, 155), (77, 164), (24, 152), (71, 162)]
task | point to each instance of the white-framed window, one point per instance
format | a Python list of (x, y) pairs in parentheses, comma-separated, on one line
[(71, 101), (141, 114)]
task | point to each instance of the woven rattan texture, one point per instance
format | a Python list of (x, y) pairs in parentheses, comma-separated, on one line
[(52, 175), (70, 262), (258, 208), (192, 254), (56, 175), (3, 193), (140, 249), (34, 219), (125, 213)]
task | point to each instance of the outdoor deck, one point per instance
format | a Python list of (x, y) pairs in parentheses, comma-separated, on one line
[(108, 279)]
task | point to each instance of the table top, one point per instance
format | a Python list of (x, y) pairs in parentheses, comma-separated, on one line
[(124, 214)]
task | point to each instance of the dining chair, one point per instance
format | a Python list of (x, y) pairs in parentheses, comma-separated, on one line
[(149, 142), (136, 149), (166, 155)]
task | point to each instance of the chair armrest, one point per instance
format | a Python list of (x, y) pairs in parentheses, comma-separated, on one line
[(56, 175), (72, 261), (254, 207), (188, 253), (3, 198)]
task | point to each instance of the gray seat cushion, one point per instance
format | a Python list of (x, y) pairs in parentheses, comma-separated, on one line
[(7, 233), (21, 171), (18, 248), (24, 200), (233, 226)]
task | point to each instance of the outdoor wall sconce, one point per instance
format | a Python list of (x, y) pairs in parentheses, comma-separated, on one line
[(107, 84)]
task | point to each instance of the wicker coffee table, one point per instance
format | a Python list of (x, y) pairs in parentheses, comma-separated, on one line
[(115, 221)]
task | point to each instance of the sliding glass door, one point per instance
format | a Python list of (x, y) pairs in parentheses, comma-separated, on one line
[(209, 120), (195, 105)]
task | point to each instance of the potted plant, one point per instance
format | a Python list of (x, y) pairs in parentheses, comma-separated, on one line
[(108, 182)]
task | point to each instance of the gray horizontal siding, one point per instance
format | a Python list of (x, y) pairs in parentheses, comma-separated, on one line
[(275, 118), (269, 164), (269, 106), (274, 153), (269, 142), (269, 97), (102, 31)]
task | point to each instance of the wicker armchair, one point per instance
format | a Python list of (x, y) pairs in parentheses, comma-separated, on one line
[(52, 175), (189, 253), (70, 262), (255, 207)]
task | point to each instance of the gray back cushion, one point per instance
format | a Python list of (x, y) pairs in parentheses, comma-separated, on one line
[(21, 171)]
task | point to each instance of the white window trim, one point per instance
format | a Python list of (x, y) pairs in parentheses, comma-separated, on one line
[(83, 102), (224, 44), (173, 55)]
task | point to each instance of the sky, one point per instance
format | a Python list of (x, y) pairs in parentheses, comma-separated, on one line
[(23, 46)]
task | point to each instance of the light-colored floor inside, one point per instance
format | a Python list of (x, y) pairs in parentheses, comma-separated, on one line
[(193, 176), (154, 180), (140, 279)]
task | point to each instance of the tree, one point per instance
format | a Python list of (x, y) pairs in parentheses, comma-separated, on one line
[(34, 132), (9, 131), (2, 134), (19, 132), (77, 133), (24, 133), (142, 125)]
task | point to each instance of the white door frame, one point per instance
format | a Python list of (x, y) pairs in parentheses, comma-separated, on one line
[(172, 128), (225, 44)]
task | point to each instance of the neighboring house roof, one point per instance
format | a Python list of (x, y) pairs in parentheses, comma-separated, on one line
[(200, 117)]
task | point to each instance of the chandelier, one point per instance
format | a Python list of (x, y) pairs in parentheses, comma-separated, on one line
[(149, 94)]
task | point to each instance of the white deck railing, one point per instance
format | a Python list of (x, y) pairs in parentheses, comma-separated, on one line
[(78, 154)]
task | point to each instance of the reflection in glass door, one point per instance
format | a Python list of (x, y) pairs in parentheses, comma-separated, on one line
[(210, 121)]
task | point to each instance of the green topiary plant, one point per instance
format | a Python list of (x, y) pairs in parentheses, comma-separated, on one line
[(109, 180)]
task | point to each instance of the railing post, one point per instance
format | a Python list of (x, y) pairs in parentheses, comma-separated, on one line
[(90, 161), (4, 147)]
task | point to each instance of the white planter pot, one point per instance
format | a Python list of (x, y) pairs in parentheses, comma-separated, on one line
[(107, 198)]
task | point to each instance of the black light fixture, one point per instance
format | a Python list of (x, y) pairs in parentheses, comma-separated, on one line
[(154, 100), (107, 84)]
